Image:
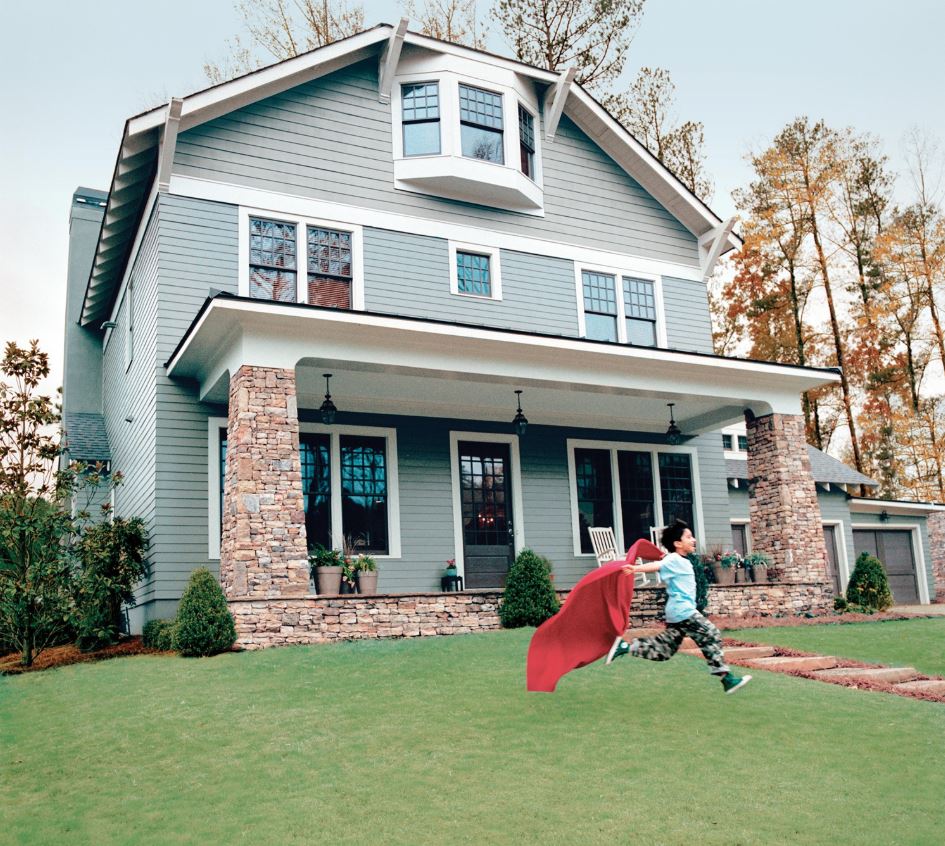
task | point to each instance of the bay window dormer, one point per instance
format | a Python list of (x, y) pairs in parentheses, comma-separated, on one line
[(464, 130)]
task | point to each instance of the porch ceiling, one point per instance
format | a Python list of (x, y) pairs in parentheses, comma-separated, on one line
[(390, 364)]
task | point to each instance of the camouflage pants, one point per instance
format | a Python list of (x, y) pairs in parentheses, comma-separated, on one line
[(664, 646)]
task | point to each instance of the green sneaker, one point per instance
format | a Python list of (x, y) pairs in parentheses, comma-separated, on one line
[(620, 647), (731, 683)]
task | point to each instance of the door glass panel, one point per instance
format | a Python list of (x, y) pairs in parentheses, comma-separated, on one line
[(676, 488), (636, 494), (316, 488), (364, 492), (482, 484)]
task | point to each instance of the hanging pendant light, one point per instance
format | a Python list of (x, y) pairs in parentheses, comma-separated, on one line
[(520, 421), (674, 434), (327, 409)]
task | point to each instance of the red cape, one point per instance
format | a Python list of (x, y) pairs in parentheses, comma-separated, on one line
[(596, 611)]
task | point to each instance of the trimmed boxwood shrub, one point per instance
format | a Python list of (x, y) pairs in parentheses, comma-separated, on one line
[(159, 634), (529, 598), (204, 623), (869, 587)]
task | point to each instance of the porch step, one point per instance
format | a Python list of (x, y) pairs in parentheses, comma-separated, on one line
[(883, 674), (786, 663), (736, 654), (924, 686)]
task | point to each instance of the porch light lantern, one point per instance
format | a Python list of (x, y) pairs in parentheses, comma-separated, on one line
[(673, 433), (520, 421), (327, 409)]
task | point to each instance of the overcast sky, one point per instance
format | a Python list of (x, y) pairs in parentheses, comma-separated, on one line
[(72, 72)]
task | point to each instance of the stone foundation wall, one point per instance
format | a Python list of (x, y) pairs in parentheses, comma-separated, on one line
[(305, 620), (936, 526)]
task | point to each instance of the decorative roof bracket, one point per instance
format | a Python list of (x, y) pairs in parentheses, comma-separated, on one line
[(390, 56), (169, 144), (712, 244), (554, 102)]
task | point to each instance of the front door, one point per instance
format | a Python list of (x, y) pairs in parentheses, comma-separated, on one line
[(833, 571), (486, 500)]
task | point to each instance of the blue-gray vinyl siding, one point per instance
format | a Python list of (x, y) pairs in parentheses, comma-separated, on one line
[(688, 322), (410, 274), (330, 139)]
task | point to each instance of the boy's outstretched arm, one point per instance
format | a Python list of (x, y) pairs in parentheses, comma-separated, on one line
[(651, 567)]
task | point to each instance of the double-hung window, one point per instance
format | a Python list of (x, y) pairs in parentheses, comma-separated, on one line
[(329, 267), (630, 487), (639, 301), (600, 306), (618, 308), (272, 260), (420, 107), (481, 124), (526, 141)]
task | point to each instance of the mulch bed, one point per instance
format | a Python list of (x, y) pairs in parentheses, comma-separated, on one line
[(845, 663), (62, 656)]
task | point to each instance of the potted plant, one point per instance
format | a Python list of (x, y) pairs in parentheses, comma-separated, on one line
[(723, 567), (450, 567), (758, 562), (366, 568), (327, 566), (349, 576)]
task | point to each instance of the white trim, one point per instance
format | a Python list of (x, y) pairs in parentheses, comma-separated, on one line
[(133, 255), (214, 424), (168, 144), (843, 561), (619, 274), (918, 551), (130, 324), (713, 243), (629, 446), (518, 518), (297, 205), (301, 247), (555, 100), (495, 269), (390, 56), (875, 506)]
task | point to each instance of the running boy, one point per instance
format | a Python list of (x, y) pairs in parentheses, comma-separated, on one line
[(682, 617)]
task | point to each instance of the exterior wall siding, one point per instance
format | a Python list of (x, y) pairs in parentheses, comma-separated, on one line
[(331, 139), (688, 322)]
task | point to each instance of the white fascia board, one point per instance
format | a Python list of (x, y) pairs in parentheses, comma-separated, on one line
[(877, 506), (231, 332), (220, 99)]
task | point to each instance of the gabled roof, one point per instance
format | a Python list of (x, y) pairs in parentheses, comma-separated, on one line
[(825, 469), (144, 156)]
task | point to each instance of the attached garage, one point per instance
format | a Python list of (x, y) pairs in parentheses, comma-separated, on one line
[(895, 549)]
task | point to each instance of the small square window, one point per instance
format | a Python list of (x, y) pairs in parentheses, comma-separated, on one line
[(743, 443), (726, 441), (473, 274)]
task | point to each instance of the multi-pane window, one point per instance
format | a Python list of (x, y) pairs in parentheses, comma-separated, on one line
[(329, 267), (481, 124), (726, 441), (272, 260), (600, 306), (743, 443), (364, 491), (421, 118), (316, 488), (639, 303), (636, 494), (676, 488), (595, 493), (526, 141), (473, 274)]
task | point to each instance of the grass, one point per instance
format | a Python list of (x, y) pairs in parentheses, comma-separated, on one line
[(916, 643), (435, 741)]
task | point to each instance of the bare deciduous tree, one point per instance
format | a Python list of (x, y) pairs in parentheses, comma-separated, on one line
[(450, 20)]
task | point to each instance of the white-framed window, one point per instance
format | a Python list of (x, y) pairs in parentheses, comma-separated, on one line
[(475, 271), (420, 110), (286, 258), (619, 306), (349, 480), (526, 141), (630, 487), (481, 124), (130, 327)]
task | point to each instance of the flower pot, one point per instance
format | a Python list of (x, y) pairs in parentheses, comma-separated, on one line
[(367, 582), (723, 575), (742, 576), (760, 573), (347, 587), (329, 579), (450, 571)]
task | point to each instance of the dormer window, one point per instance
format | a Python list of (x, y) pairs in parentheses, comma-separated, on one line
[(480, 117), (421, 119), (526, 141)]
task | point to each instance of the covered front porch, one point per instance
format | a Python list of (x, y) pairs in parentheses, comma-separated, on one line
[(423, 460)]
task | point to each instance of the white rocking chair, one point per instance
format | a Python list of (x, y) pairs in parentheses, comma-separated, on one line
[(605, 549)]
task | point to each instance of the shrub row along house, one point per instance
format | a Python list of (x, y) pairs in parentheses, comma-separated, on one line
[(404, 291)]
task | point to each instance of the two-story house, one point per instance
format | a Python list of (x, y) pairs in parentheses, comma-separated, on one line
[(404, 291)]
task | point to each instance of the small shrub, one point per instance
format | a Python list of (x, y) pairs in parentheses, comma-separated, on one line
[(869, 587), (840, 604), (204, 623), (529, 598), (159, 634), (702, 581)]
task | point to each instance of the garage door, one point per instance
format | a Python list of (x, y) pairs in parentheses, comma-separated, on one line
[(894, 549)]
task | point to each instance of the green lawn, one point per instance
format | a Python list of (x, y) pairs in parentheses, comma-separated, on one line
[(435, 741), (915, 643)]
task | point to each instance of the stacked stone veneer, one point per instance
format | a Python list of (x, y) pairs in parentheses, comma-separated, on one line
[(273, 622), (936, 526), (263, 551), (782, 506)]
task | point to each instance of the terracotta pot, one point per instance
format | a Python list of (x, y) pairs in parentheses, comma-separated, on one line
[(329, 579), (367, 582), (723, 575), (760, 573)]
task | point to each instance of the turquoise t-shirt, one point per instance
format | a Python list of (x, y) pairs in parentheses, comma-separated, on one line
[(676, 573)]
